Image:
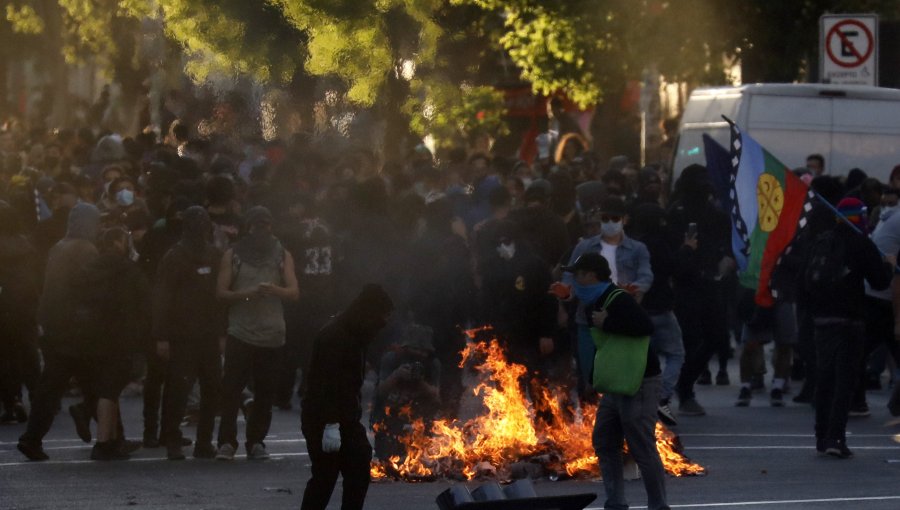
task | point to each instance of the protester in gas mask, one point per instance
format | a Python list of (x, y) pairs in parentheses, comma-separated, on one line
[(335, 438)]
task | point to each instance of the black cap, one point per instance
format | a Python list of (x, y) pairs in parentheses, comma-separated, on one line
[(613, 205), (593, 263)]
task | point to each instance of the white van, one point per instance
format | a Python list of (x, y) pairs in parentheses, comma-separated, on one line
[(851, 126)]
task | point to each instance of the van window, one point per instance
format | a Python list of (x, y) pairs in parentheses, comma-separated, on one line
[(706, 109), (788, 113)]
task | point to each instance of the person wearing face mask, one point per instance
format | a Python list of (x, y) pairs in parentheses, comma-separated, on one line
[(332, 408), (516, 303), (254, 277), (628, 260), (621, 418), (187, 328)]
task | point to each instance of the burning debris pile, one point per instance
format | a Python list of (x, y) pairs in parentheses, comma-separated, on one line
[(513, 437)]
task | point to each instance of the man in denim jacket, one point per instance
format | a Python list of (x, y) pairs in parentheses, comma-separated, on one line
[(628, 260)]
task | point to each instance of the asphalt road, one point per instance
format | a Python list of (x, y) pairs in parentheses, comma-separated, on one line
[(757, 457)]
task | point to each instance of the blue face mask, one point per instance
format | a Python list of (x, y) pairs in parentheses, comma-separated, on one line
[(589, 294)]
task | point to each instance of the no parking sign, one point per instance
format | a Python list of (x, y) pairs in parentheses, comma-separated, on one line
[(848, 49)]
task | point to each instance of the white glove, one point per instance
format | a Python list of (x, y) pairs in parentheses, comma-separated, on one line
[(331, 439)]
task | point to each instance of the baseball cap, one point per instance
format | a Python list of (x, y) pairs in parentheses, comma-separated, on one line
[(590, 262)]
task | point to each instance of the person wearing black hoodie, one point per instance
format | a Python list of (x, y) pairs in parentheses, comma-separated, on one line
[(113, 317), (188, 323), (62, 345), (332, 409)]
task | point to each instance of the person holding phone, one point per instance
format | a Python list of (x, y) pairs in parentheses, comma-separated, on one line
[(254, 277)]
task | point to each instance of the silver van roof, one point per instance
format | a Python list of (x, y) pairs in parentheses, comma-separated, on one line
[(803, 90)]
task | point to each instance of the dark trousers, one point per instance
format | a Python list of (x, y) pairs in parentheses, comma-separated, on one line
[(806, 348), (19, 361), (188, 362), (243, 363), (622, 419), (153, 388), (448, 344), (352, 462), (58, 370), (839, 349), (302, 320), (703, 332)]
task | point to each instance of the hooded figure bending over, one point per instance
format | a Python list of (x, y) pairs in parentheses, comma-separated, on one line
[(331, 412)]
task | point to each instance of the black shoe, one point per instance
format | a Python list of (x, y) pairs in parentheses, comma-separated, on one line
[(705, 378), (174, 452), (722, 378), (838, 449), (860, 410), (776, 398), (33, 451), (757, 384), (108, 450), (744, 397), (82, 421), (204, 451)]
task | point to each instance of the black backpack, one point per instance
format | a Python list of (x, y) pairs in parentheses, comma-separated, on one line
[(826, 265)]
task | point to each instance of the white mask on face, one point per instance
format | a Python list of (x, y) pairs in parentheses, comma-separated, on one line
[(611, 228), (125, 197), (507, 251)]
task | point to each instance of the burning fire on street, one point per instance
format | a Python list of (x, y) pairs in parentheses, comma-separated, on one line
[(513, 433)]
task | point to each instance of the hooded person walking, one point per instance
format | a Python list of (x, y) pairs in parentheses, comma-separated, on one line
[(332, 409), (62, 345)]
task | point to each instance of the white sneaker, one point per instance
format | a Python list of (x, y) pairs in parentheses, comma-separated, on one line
[(665, 414), (226, 452), (258, 452)]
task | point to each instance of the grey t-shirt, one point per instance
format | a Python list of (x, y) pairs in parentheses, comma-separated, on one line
[(258, 321)]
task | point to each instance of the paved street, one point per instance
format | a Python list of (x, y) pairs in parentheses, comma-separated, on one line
[(759, 457)]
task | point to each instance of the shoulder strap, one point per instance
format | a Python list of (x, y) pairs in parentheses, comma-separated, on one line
[(235, 266), (612, 295)]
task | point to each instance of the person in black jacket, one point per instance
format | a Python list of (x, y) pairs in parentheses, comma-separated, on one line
[(332, 409), (838, 262), (620, 417), (515, 299), (113, 319), (188, 326)]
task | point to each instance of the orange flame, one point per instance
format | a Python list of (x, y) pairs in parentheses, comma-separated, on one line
[(512, 429)]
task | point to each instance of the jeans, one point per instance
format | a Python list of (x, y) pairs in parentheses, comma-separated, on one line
[(839, 349), (243, 363), (632, 420), (666, 340), (352, 461)]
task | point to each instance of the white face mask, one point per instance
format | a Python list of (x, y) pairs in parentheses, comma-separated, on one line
[(125, 197), (611, 228), (507, 251)]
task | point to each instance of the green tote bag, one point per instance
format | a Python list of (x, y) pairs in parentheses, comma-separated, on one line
[(620, 360)]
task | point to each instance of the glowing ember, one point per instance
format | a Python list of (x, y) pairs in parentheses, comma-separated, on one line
[(512, 430)]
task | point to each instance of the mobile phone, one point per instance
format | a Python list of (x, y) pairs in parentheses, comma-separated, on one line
[(692, 230)]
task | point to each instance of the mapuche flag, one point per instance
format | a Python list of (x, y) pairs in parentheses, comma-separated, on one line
[(769, 206)]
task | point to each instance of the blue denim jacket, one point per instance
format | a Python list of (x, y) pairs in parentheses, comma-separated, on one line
[(632, 265)]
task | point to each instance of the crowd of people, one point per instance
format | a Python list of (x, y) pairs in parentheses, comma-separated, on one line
[(214, 261)]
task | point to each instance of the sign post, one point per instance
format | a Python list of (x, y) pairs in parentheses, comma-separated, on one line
[(848, 49)]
